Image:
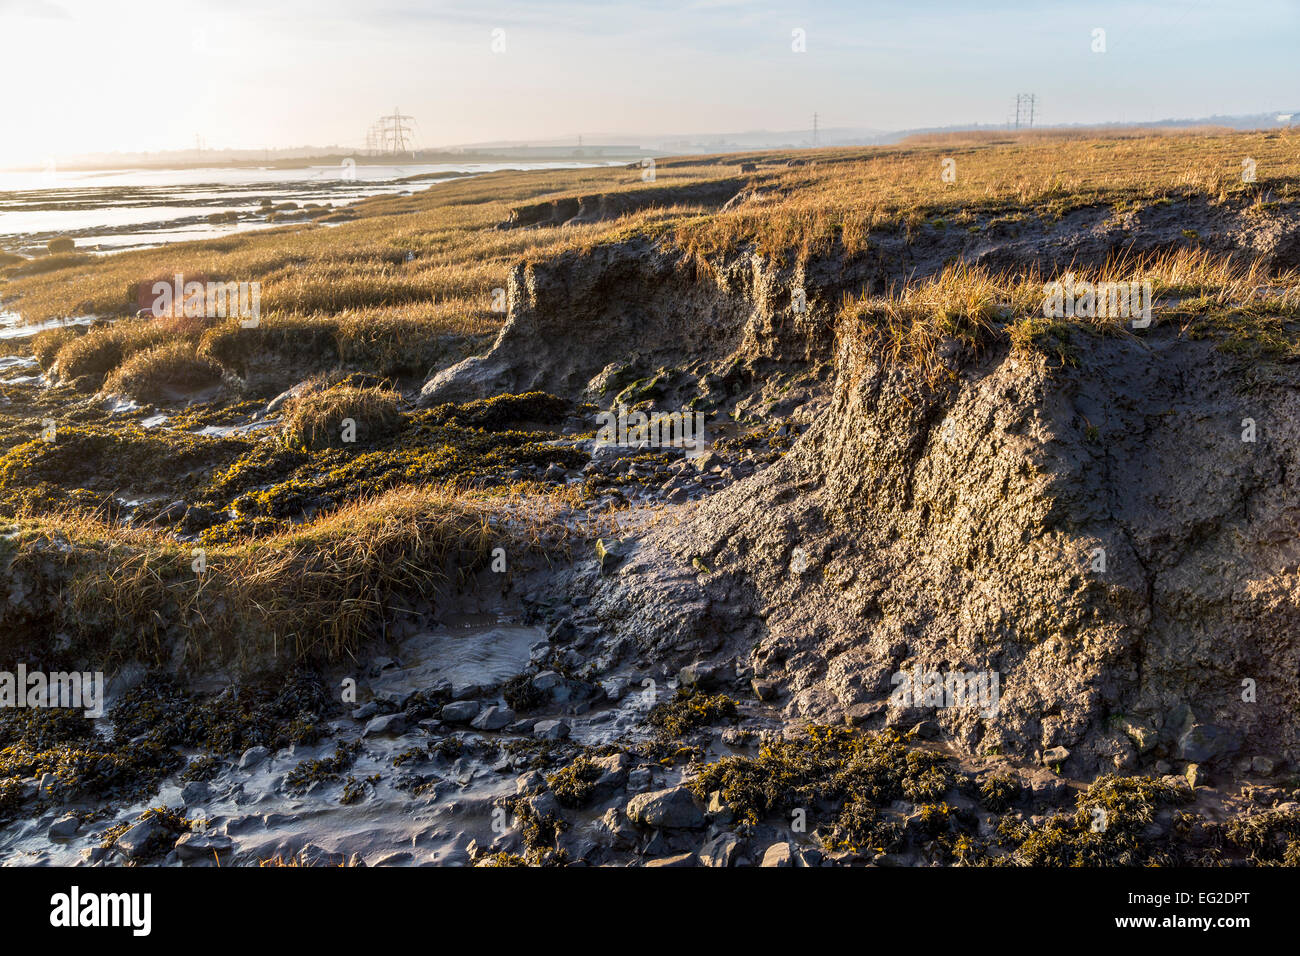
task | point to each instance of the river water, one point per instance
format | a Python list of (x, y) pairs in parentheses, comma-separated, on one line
[(111, 210)]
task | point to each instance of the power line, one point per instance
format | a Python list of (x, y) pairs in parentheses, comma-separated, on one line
[(393, 132), (1025, 104)]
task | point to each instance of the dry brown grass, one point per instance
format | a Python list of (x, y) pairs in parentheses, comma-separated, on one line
[(163, 372), (316, 592), (965, 308), (315, 418)]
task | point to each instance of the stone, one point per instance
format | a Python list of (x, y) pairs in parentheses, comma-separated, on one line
[(929, 729), (672, 809), (720, 851), (765, 690), (64, 828), (857, 714), (1143, 735), (386, 725), (609, 552), (1054, 756), (530, 782), (551, 729), (196, 791), (139, 838), (252, 757), (706, 676), (1205, 742), (614, 830), (680, 859), (544, 804), (194, 846), (460, 711), (493, 718), (553, 685), (365, 711), (1264, 766), (778, 854)]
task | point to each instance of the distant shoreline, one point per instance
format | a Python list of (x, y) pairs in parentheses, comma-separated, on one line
[(334, 159)]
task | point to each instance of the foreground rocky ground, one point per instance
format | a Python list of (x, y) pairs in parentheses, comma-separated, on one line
[(479, 633)]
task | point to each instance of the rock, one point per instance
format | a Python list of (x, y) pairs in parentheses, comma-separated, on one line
[(929, 729), (720, 851), (609, 553), (172, 513), (64, 828), (196, 791), (778, 854), (856, 715), (387, 725), (140, 838), (551, 729), (673, 809), (1195, 775), (366, 711), (493, 718), (718, 810), (614, 830), (1143, 735), (193, 846), (553, 685), (1264, 766), (638, 779), (553, 473), (613, 773), (1204, 742), (706, 676), (708, 461), (1054, 756), (252, 757), (544, 804), (681, 859), (765, 690), (460, 711), (530, 782)]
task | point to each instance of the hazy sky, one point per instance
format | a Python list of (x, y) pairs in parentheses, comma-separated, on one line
[(90, 75)]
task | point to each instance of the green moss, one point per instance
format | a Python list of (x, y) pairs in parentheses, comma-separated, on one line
[(1107, 828), (521, 695), (573, 786), (999, 791), (172, 825), (1268, 837), (273, 713), (688, 710), (501, 411), (327, 769), (201, 768), (826, 766), (116, 459)]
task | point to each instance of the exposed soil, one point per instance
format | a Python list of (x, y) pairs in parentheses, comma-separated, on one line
[(705, 673)]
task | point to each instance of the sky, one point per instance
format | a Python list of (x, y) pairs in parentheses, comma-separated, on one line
[(83, 76)]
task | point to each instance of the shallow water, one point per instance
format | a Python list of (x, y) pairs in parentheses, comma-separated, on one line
[(12, 327), (109, 210), (465, 655)]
